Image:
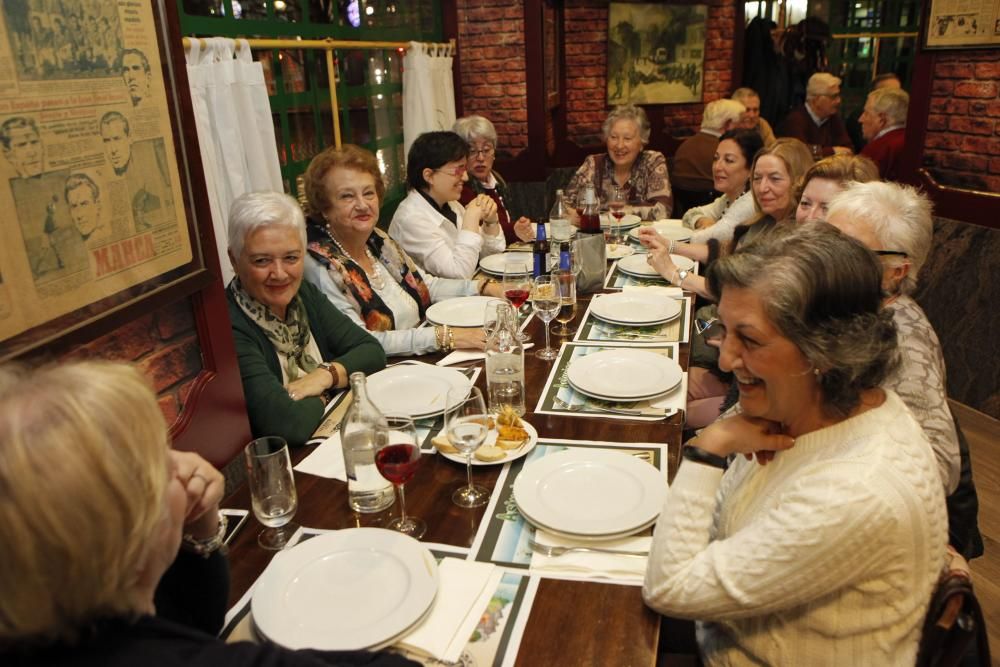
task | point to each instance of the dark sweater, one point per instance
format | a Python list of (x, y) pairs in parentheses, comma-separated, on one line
[(271, 410), (800, 125)]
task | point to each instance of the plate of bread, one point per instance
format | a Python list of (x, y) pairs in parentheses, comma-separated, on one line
[(509, 438)]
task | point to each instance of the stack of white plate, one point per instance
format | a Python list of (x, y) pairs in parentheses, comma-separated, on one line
[(353, 589), (590, 494), (671, 230), (417, 390), (624, 375), (635, 309), (494, 264), (636, 265), (628, 221)]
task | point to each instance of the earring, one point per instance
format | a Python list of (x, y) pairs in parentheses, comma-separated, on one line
[(816, 372)]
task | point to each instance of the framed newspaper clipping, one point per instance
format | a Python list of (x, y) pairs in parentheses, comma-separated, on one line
[(99, 220), (962, 24)]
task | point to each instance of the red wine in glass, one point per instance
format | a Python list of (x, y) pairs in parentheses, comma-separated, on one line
[(617, 210), (517, 296), (398, 463)]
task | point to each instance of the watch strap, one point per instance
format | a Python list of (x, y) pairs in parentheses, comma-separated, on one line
[(698, 455)]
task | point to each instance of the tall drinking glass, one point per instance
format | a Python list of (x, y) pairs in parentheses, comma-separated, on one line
[(272, 489), (397, 457), (546, 301), (565, 282), (517, 286), (466, 426)]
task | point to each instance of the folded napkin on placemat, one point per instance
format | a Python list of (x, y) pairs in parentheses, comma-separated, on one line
[(588, 563), (464, 590), (461, 356), (327, 460), (675, 401)]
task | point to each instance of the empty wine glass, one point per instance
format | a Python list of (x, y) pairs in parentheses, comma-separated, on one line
[(397, 457), (517, 286), (272, 489), (565, 280), (546, 300), (467, 427)]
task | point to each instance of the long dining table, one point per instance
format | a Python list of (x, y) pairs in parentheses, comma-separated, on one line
[(570, 622)]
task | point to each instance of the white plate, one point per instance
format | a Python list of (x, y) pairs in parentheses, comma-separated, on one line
[(616, 399), (462, 311), (628, 221), (590, 492), (512, 454), (345, 591), (588, 538), (624, 374), (416, 390), (620, 250), (494, 263), (635, 308), (636, 265), (667, 230)]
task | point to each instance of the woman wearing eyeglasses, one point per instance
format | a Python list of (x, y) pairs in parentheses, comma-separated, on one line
[(481, 136), (444, 237)]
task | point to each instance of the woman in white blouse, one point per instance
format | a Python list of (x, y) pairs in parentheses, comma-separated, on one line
[(363, 272), (444, 237)]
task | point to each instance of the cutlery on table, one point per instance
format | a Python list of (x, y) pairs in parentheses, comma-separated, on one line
[(547, 550)]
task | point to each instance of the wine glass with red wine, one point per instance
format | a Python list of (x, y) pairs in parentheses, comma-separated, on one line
[(517, 286), (617, 207), (397, 457)]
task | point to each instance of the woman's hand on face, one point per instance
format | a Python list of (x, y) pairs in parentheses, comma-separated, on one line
[(469, 338), (310, 384), (204, 486), (744, 435), (524, 229)]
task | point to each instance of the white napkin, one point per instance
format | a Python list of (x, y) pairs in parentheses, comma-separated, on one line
[(327, 460), (630, 568), (672, 292), (460, 356), (675, 400), (464, 590)]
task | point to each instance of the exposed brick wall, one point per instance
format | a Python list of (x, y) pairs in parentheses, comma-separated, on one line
[(163, 344), (492, 61), (962, 147), (586, 23)]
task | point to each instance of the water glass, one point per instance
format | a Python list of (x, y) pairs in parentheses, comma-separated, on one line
[(467, 427), (272, 489), (546, 301), (397, 457)]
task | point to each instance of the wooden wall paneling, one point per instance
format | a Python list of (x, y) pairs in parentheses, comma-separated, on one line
[(213, 418)]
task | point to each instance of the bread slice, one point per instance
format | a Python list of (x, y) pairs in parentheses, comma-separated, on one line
[(443, 444), (489, 453)]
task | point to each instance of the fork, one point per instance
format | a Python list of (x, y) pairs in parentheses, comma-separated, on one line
[(547, 550), (587, 406)]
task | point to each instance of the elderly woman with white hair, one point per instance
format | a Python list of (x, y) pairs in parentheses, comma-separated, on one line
[(641, 174), (894, 221), (883, 125), (118, 525), (481, 136), (292, 344)]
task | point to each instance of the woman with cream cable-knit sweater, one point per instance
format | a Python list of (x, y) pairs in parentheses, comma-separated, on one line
[(829, 553)]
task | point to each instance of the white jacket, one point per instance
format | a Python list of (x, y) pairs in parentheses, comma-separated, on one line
[(441, 247)]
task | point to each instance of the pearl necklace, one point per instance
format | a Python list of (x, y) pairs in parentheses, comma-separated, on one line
[(376, 280)]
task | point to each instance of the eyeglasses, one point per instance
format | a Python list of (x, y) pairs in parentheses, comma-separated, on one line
[(456, 172), (710, 328), (890, 253), (482, 152)]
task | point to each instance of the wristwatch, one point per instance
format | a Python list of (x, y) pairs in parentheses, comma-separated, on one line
[(681, 275), (698, 455), (332, 370), (206, 547)]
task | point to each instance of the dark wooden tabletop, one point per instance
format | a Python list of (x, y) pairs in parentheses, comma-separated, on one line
[(571, 622)]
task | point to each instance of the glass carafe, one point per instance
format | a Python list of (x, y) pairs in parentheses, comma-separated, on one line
[(505, 364), (367, 490)]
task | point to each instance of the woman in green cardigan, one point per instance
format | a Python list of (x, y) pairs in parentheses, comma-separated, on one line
[(293, 345)]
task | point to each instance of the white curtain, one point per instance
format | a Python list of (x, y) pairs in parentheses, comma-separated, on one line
[(428, 91), (235, 131)]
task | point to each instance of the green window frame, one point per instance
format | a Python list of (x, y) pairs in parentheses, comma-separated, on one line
[(369, 80)]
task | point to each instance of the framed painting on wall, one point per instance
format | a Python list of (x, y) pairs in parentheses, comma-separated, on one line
[(101, 221), (656, 53), (961, 25)]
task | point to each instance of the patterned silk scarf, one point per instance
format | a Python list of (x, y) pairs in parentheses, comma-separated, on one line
[(347, 273), (289, 337)]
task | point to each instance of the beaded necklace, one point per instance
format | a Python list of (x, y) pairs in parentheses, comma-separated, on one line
[(377, 279)]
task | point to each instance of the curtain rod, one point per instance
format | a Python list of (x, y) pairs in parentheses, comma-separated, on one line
[(329, 46)]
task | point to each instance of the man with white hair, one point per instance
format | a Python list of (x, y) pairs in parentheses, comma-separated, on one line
[(751, 119), (817, 123), (883, 125), (692, 163)]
